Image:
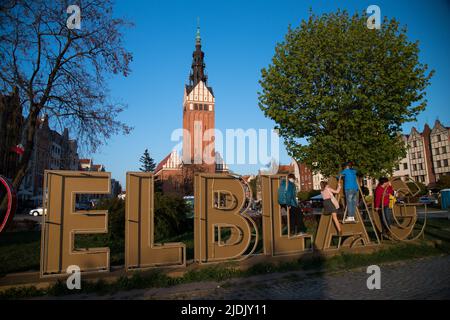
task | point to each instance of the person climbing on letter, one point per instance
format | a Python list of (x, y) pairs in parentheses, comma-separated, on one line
[(330, 204), (351, 190)]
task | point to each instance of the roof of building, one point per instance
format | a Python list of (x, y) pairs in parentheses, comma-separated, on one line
[(171, 161), (97, 167), (285, 168)]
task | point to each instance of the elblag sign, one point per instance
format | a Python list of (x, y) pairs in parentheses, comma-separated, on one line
[(219, 204)]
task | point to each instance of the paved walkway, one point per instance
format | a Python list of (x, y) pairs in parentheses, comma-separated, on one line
[(427, 278)]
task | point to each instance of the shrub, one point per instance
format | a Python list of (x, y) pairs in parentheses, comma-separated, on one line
[(170, 215)]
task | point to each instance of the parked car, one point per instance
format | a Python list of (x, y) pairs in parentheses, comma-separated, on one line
[(428, 200), (36, 212), (306, 207), (83, 206)]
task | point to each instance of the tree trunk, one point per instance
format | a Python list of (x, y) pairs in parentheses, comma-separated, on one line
[(30, 128)]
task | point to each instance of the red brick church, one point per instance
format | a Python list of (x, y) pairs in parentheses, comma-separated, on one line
[(198, 154)]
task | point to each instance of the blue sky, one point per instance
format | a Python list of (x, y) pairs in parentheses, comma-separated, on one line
[(238, 39)]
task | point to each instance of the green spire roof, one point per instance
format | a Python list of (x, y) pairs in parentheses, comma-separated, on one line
[(197, 37)]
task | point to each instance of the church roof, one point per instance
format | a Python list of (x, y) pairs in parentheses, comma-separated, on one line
[(171, 161)]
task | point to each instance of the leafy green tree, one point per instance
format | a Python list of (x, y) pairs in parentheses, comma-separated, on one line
[(303, 195), (148, 164), (418, 187), (339, 91), (443, 182), (306, 195)]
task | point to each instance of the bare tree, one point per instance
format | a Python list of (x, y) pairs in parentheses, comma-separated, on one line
[(61, 71)]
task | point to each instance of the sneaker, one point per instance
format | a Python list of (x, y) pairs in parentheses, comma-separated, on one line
[(349, 219)]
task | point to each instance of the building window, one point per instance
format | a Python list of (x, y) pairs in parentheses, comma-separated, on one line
[(414, 143), (444, 150), (405, 166), (413, 155), (445, 162), (415, 167), (420, 166), (438, 163), (438, 138), (419, 155)]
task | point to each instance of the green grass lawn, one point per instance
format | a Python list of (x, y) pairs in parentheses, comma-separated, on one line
[(20, 252)]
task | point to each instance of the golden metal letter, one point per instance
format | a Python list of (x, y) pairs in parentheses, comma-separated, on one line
[(219, 199), (140, 249), (61, 222)]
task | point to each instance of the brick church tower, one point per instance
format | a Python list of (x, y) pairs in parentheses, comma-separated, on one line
[(198, 115), (199, 155)]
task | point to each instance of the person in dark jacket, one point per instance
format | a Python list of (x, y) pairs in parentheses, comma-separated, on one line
[(287, 199)]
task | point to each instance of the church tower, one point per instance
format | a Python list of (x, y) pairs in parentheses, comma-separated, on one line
[(198, 114)]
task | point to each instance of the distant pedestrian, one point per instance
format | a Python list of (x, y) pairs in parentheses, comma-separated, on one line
[(351, 190)]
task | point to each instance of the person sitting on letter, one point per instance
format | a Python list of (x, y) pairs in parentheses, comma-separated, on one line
[(287, 199)]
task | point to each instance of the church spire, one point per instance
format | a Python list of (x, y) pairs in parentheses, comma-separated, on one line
[(198, 39), (198, 65)]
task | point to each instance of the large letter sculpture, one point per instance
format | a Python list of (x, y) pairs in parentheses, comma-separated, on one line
[(404, 212), (275, 242), (61, 222), (219, 199), (353, 234), (140, 249)]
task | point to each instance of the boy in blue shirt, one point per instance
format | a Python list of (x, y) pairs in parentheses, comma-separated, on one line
[(351, 190)]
